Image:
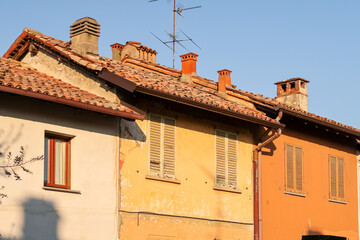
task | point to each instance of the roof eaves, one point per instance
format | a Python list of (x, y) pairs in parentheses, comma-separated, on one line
[(346, 130), (72, 103), (209, 107), (15, 44)]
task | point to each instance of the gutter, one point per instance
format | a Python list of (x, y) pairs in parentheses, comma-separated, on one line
[(257, 180), (72, 103)]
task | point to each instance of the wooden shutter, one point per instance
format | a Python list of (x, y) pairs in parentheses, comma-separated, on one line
[(332, 164), (232, 159), (155, 144), (340, 178), (169, 147), (220, 158), (289, 167), (299, 166)]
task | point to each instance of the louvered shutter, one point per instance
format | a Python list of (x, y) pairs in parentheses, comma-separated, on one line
[(340, 178), (299, 165), (220, 158), (289, 167), (332, 176), (232, 159), (155, 144), (169, 147)]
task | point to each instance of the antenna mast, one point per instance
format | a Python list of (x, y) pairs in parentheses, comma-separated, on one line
[(173, 36)]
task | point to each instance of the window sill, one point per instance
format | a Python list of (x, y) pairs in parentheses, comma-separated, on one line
[(295, 194), (224, 189), (61, 190), (169, 180), (337, 201)]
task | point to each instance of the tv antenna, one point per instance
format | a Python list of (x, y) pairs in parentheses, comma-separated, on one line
[(172, 35)]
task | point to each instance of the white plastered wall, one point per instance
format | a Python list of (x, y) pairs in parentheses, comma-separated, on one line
[(29, 211)]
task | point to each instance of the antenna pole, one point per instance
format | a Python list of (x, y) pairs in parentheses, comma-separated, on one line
[(174, 35)]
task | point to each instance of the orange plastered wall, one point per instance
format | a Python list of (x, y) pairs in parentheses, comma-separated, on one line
[(288, 216), (191, 208)]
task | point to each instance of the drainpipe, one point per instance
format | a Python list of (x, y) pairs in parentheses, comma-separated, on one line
[(257, 180)]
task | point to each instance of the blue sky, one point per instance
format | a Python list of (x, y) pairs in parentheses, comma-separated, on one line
[(261, 41)]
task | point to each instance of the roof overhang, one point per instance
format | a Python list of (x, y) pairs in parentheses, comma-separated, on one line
[(208, 107), (347, 131), (72, 103)]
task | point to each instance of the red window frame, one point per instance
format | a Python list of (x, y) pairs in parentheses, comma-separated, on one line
[(51, 162)]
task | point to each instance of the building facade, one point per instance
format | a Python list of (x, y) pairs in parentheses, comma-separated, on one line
[(309, 176), (168, 154)]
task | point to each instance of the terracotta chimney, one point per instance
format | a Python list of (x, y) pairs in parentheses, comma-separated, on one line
[(116, 51), (188, 66), (84, 34), (224, 80), (293, 92)]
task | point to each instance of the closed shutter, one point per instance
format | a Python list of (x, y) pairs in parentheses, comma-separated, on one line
[(232, 159), (340, 178), (155, 144), (332, 161), (220, 158), (169, 147), (289, 167), (299, 164)]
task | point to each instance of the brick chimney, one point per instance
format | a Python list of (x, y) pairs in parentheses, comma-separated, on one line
[(188, 69), (84, 34), (135, 50), (224, 80), (116, 51), (293, 92)]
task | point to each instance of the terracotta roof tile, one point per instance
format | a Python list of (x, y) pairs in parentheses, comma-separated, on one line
[(272, 102), (174, 86), (18, 76), (166, 80), (145, 78)]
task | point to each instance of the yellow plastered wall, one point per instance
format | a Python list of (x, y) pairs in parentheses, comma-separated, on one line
[(153, 209)]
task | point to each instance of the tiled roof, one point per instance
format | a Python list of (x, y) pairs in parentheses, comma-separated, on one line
[(17, 77), (56, 45), (272, 102), (166, 80), (174, 86), (143, 78)]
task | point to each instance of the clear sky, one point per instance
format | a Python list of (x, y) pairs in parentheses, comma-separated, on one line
[(261, 41)]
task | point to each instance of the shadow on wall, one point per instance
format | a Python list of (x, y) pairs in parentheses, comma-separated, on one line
[(40, 221)]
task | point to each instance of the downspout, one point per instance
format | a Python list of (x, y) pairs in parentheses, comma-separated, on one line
[(257, 180)]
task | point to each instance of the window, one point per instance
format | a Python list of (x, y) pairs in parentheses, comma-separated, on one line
[(57, 162), (294, 168), (162, 146), (336, 172), (226, 159)]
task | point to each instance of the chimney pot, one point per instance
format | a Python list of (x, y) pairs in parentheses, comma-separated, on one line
[(188, 61), (84, 34), (116, 51), (224, 80)]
